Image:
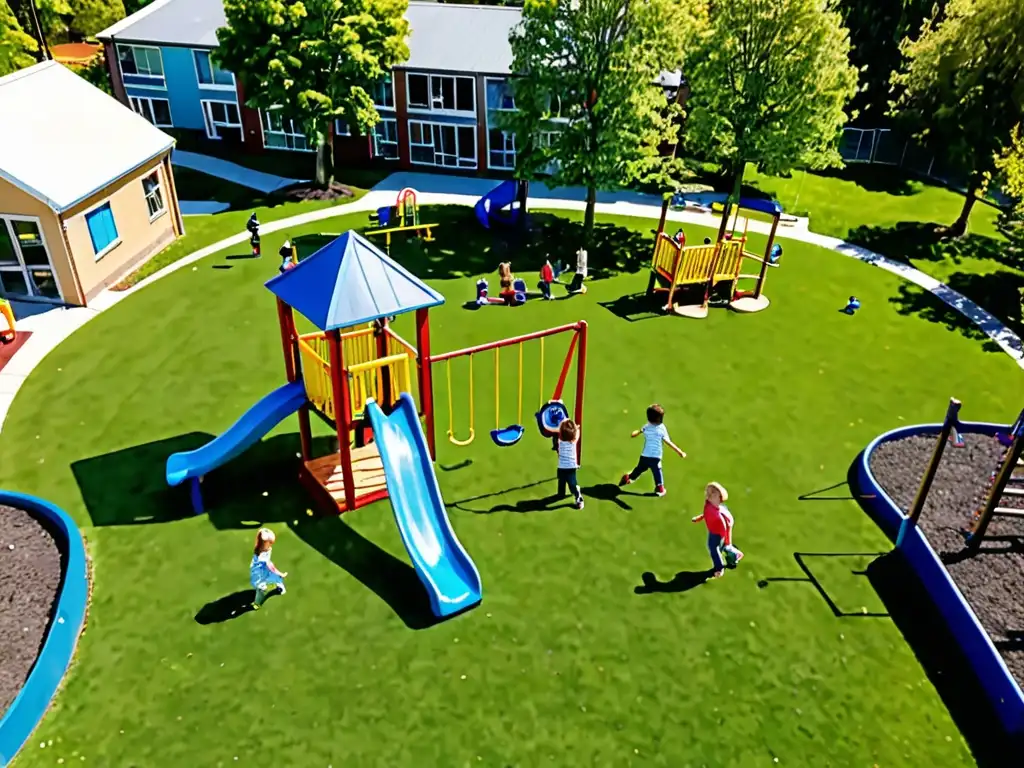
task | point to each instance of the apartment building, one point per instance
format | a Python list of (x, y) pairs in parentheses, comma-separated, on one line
[(439, 110)]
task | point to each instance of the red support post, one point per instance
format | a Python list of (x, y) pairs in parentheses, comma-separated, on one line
[(767, 254), (661, 221), (293, 371), (381, 337), (343, 415), (581, 377), (425, 378)]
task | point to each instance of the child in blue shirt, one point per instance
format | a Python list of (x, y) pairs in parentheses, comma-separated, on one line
[(655, 434), (263, 574)]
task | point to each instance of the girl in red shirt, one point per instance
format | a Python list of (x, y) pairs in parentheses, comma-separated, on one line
[(547, 277), (719, 521)]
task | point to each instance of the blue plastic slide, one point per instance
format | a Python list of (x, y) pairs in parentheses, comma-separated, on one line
[(488, 208), (253, 425), (450, 577)]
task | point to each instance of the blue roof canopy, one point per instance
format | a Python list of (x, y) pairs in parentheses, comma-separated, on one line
[(771, 207), (350, 281)]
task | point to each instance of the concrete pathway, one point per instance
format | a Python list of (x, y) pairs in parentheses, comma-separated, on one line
[(54, 324), (224, 169)]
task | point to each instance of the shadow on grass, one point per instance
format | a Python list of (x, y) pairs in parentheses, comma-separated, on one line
[(461, 503), (633, 307), (910, 241), (928, 636), (228, 607), (999, 293), (608, 492), (463, 248), (392, 580), (809, 578), (683, 581), (129, 487)]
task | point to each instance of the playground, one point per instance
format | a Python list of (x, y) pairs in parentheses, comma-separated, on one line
[(587, 636)]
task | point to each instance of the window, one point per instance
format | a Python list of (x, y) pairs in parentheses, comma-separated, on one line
[(384, 94), (448, 146), (385, 139), (24, 261), (157, 111), (341, 128), (209, 74), (500, 96), (280, 132), (221, 117), (102, 229), (502, 149), (140, 60), (442, 93), (154, 197)]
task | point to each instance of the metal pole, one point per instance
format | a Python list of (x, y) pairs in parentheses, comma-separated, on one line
[(952, 415), (581, 377)]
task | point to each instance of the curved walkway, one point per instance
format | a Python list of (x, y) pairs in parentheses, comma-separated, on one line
[(50, 328)]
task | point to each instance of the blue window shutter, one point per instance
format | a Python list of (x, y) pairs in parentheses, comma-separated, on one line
[(102, 230)]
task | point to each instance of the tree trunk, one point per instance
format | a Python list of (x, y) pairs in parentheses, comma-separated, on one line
[(325, 159), (736, 173), (588, 217), (959, 227)]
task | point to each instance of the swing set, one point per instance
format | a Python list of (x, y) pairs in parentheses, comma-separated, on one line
[(551, 410)]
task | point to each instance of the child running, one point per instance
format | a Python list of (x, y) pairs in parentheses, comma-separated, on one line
[(568, 436), (263, 574), (655, 434), (719, 521)]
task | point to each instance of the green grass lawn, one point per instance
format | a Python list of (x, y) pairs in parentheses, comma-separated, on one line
[(594, 644)]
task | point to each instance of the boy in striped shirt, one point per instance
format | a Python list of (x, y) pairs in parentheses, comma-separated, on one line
[(655, 434)]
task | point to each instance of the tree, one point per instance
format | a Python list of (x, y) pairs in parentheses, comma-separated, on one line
[(1011, 164), (876, 29), (770, 86), (92, 16), (587, 104), (17, 49), (962, 87), (318, 60)]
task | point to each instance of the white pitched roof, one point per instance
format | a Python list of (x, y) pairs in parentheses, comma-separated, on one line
[(62, 139)]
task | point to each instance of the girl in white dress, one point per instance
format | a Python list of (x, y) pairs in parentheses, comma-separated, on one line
[(263, 574)]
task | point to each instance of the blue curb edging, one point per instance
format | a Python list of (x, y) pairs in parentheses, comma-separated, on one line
[(1003, 692), (28, 708)]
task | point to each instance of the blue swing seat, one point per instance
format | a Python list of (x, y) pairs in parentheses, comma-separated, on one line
[(550, 416), (510, 435)]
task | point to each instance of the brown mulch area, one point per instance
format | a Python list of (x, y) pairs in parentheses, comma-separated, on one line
[(30, 562), (305, 192), (993, 579), (8, 348)]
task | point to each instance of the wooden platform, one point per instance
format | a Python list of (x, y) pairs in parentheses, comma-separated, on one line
[(367, 472)]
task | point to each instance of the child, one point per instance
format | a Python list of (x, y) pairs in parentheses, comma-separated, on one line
[(719, 522), (547, 277), (505, 276), (655, 434), (581, 272), (263, 574), (287, 255), (568, 436)]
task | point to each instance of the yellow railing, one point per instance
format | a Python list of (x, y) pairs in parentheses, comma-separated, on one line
[(316, 373), (730, 259), (666, 251), (366, 380)]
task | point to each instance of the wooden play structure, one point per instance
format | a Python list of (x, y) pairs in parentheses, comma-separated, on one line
[(1006, 480), (403, 216), (355, 356), (679, 271)]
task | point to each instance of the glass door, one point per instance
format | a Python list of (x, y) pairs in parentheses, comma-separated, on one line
[(25, 268)]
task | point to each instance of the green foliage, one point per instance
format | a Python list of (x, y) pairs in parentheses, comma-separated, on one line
[(96, 73), (770, 86), (92, 16), (587, 103), (131, 6), (961, 86), (53, 18), (876, 29), (316, 59), (1011, 164), (17, 49)]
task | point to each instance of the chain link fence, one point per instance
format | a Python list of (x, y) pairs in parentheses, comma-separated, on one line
[(881, 146)]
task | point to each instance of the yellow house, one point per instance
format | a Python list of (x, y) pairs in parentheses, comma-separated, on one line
[(86, 189)]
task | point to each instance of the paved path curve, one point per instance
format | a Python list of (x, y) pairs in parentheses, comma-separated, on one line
[(52, 327)]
